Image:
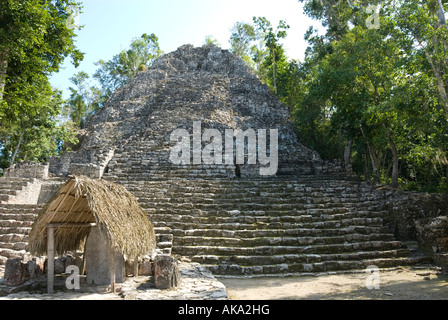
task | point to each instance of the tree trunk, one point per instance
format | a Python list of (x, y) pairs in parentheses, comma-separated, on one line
[(394, 157), (446, 179), (13, 158), (437, 66), (348, 156), (3, 72), (441, 13), (366, 165), (274, 71), (373, 158), (333, 20)]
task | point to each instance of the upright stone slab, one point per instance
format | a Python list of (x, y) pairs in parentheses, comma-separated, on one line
[(97, 260), (14, 272), (166, 272)]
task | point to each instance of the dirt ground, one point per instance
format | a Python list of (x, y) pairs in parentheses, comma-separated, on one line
[(401, 284)]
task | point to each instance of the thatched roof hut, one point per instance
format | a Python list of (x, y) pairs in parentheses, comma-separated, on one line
[(82, 203)]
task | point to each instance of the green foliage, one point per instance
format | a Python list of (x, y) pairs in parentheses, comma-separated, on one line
[(384, 89), (84, 100), (275, 64), (34, 41), (243, 35), (210, 40), (124, 66)]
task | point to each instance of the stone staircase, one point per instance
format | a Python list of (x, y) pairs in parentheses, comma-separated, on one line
[(15, 224), (248, 227), (11, 187), (272, 226)]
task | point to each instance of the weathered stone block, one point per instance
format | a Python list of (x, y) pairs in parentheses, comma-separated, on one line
[(146, 268), (97, 260), (18, 272), (166, 272), (61, 264), (14, 272)]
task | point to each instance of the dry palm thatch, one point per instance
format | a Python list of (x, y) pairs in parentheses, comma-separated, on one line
[(111, 207)]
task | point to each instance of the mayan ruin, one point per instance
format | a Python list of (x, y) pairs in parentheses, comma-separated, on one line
[(211, 152), (311, 217)]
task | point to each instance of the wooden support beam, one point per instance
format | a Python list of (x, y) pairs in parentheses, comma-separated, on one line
[(71, 225), (136, 267), (112, 268), (50, 253)]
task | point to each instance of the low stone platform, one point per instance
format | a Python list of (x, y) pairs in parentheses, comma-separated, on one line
[(197, 283)]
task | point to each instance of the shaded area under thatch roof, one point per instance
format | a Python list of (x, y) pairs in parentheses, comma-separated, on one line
[(82, 200)]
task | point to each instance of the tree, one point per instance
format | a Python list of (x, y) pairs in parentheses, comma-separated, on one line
[(276, 61), (118, 71), (211, 40), (34, 37), (31, 130), (385, 89), (241, 41), (84, 100), (34, 41)]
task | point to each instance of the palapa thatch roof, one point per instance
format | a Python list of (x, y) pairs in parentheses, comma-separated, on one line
[(115, 211)]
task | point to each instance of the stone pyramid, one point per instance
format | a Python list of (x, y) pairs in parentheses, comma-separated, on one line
[(309, 217), (205, 85)]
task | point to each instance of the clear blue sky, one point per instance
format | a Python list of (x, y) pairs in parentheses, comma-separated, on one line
[(110, 26)]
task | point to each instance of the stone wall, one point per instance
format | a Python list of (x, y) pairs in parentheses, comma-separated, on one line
[(28, 169), (408, 208), (418, 217), (29, 194)]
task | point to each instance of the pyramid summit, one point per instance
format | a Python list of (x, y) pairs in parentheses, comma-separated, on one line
[(190, 85)]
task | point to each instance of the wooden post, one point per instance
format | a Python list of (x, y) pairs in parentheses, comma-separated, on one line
[(112, 268), (136, 267), (50, 253)]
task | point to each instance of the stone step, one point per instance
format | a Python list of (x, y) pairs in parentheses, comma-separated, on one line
[(10, 253), (212, 206), (298, 232), (14, 245), (31, 217), (193, 250), (240, 191), (15, 230), (251, 223), (236, 191), (280, 241), (274, 215), (297, 258), (13, 185), (13, 238), (250, 185), (311, 268), (14, 223), (21, 207), (10, 192)]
